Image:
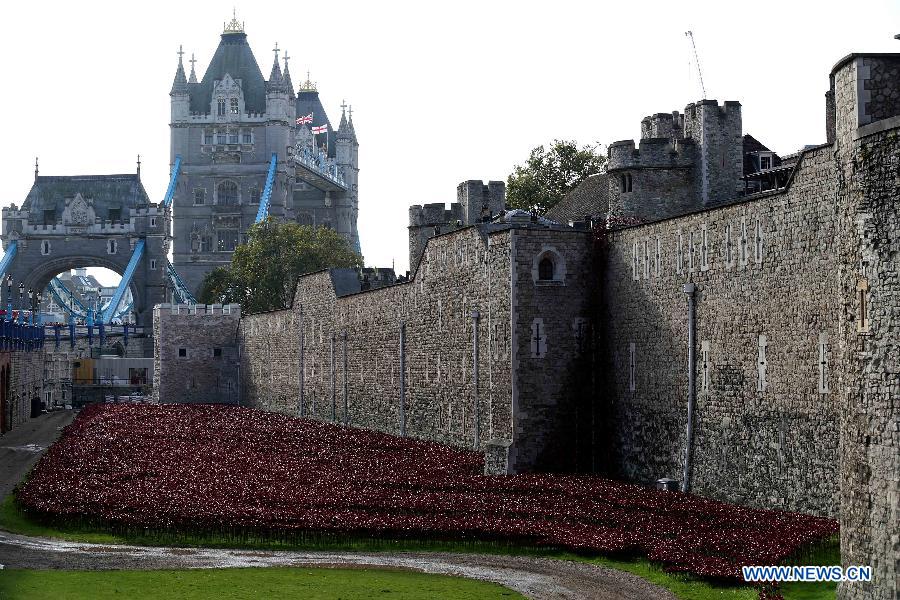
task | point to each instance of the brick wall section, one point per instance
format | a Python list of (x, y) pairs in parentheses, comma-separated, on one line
[(776, 448), (870, 413), (199, 376), (461, 273)]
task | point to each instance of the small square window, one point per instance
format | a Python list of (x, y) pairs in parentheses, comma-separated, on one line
[(217, 352), (765, 162), (182, 352)]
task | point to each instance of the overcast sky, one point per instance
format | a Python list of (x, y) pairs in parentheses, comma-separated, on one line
[(441, 92)]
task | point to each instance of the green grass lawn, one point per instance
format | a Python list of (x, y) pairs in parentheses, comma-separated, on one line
[(227, 584), (685, 587)]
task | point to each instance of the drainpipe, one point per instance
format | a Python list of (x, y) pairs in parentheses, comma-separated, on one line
[(346, 401), (302, 365), (690, 289), (475, 317), (333, 391), (402, 379)]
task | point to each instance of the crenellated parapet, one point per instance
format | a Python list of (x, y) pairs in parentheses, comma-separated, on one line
[(652, 153)]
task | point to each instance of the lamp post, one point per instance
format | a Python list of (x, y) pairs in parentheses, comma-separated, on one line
[(31, 302), (21, 303), (40, 300), (9, 298)]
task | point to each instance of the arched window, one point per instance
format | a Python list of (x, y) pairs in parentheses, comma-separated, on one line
[(234, 106), (228, 193), (220, 107), (112, 246), (545, 269), (45, 247), (305, 219), (548, 267), (625, 180)]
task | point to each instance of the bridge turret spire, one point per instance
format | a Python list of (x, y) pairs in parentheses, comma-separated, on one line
[(276, 79), (193, 77), (179, 86), (344, 127), (287, 77)]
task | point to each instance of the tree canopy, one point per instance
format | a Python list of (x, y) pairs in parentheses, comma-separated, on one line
[(548, 175), (264, 270)]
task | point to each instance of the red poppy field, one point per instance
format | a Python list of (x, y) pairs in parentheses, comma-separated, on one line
[(229, 469)]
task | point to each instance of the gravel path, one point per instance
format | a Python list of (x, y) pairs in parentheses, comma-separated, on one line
[(537, 578)]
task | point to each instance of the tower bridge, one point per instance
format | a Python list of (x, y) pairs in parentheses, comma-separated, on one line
[(240, 152)]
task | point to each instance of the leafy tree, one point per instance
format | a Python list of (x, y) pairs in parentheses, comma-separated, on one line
[(548, 175), (264, 271)]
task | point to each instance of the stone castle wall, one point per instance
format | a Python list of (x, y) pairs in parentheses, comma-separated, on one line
[(765, 271), (196, 354), (868, 154), (402, 359)]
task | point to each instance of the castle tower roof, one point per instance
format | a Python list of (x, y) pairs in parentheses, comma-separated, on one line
[(179, 86), (233, 56)]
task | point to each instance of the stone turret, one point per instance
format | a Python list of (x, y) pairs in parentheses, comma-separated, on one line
[(475, 203), (684, 162), (180, 93)]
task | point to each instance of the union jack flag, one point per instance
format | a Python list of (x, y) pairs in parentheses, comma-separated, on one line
[(320, 129), (304, 120)]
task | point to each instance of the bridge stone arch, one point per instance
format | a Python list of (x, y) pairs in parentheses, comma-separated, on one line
[(39, 277), (79, 216)]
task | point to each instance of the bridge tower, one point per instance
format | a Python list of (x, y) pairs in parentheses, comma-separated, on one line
[(227, 126), (107, 221)]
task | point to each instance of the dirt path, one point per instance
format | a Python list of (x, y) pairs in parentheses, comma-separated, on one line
[(537, 578), (21, 447)]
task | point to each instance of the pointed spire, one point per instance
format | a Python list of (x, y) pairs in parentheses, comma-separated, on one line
[(35, 168), (344, 127), (287, 76), (180, 83), (193, 77), (350, 121), (276, 79), (139, 167)]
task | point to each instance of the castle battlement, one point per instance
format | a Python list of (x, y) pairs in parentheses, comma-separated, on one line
[(652, 153), (434, 213), (663, 125), (199, 310)]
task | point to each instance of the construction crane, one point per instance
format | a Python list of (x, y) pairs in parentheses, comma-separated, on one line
[(690, 34)]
